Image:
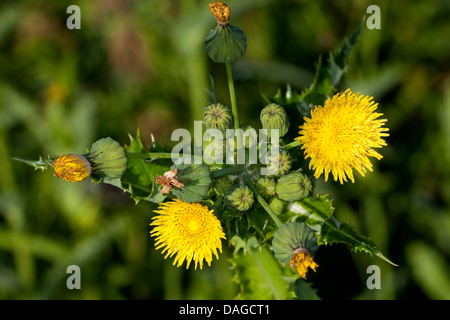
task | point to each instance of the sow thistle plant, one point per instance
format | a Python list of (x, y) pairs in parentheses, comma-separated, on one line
[(265, 209)]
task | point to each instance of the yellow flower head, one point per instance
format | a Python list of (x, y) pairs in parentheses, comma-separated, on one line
[(189, 230), (72, 167), (221, 12), (340, 136), (302, 260)]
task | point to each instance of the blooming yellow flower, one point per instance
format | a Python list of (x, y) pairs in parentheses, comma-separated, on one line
[(72, 167), (302, 260), (340, 136), (189, 230)]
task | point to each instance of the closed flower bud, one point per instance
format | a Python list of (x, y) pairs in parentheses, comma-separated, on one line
[(295, 244), (280, 165), (241, 198), (217, 116), (266, 187), (250, 137), (222, 185), (107, 158), (72, 167), (293, 186), (273, 116), (277, 205)]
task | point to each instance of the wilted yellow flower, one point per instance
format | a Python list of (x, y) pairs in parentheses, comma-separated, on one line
[(189, 230), (302, 260), (106, 159), (72, 167), (221, 12), (340, 136)]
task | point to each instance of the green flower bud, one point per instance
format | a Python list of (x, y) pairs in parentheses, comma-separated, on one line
[(222, 185), (217, 116), (241, 198), (250, 137), (281, 165), (293, 186), (266, 187), (107, 158), (191, 182), (277, 205), (273, 116)]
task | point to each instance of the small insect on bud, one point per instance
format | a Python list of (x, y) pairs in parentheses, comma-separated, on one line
[(72, 167), (273, 116), (241, 198), (293, 186), (217, 116)]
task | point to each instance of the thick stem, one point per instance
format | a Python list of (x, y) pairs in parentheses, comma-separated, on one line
[(226, 171), (234, 109), (261, 200), (156, 155)]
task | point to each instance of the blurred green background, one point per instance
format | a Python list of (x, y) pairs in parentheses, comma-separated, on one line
[(141, 64)]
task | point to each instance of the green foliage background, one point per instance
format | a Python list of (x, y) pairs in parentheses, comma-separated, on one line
[(141, 64)]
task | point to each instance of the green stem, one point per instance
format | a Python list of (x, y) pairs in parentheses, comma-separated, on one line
[(226, 171), (234, 109), (156, 155), (261, 200), (149, 155), (295, 143)]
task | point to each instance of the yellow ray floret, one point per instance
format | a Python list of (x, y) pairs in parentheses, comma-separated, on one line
[(189, 230), (302, 260), (341, 135)]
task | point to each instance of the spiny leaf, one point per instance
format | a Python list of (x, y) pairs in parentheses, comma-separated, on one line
[(318, 214), (338, 61), (139, 178), (334, 232), (326, 79), (260, 275)]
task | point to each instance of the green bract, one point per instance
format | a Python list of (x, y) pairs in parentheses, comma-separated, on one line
[(293, 186), (277, 205), (290, 237), (196, 181), (273, 116), (225, 44), (217, 116), (222, 185), (266, 187), (279, 164), (240, 198), (107, 158)]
